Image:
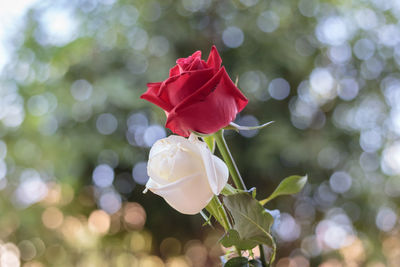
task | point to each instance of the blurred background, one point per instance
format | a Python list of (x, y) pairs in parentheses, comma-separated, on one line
[(74, 135)]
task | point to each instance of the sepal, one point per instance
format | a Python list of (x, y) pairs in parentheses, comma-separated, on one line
[(230, 190), (236, 127), (210, 141)]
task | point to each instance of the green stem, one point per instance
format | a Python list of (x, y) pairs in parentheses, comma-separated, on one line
[(262, 256), (216, 209), (234, 171), (219, 209), (227, 156)]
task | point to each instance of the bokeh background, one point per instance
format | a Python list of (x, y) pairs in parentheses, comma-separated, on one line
[(75, 135)]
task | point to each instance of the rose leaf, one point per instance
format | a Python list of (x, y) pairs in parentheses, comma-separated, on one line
[(251, 222), (230, 190), (290, 185), (237, 262), (255, 263)]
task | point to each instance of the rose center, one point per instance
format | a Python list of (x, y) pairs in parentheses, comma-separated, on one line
[(175, 163)]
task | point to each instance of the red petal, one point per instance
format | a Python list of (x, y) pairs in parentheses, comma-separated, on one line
[(197, 54), (174, 71), (185, 62), (211, 108), (151, 96), (197, 64), (214, 60), (175, 89)]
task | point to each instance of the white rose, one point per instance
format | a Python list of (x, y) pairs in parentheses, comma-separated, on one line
[(185, 173)]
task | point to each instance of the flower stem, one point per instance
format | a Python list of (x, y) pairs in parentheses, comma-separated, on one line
[(262, 256), (227, 156), (215, 206), (220, 213), (234, 171)]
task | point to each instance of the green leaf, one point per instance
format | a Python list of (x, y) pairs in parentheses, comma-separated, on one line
[(253, 192), (290, 185), (232, 238), (210, 141), (236, 127), (229, 190), (237, 262), (255, 263), (251, 222)]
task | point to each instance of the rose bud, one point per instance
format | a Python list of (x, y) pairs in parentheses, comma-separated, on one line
[(185, 173), (198, 96)]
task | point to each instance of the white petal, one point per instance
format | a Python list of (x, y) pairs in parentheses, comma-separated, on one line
[(186, 162), (157, 168), (193, 137), (160, 146), (185, 173), (188, 195), (152, 184), (222, 174), (173, 158), (217, 171)]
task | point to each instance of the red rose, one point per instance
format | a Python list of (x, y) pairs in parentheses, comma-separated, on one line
[(198, 96)]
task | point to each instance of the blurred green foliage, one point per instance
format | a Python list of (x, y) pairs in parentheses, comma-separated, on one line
[(75, 135)]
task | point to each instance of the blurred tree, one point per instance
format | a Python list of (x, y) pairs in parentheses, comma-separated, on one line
[(75, 134)]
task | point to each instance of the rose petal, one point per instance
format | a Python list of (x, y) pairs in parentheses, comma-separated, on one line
[(217, 171), (177, 88), (209, 109), (174, 71), (185, 62), (186, 159), (188, 195), (222, 174), (197, 64), (214, 60), (151, 95)]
